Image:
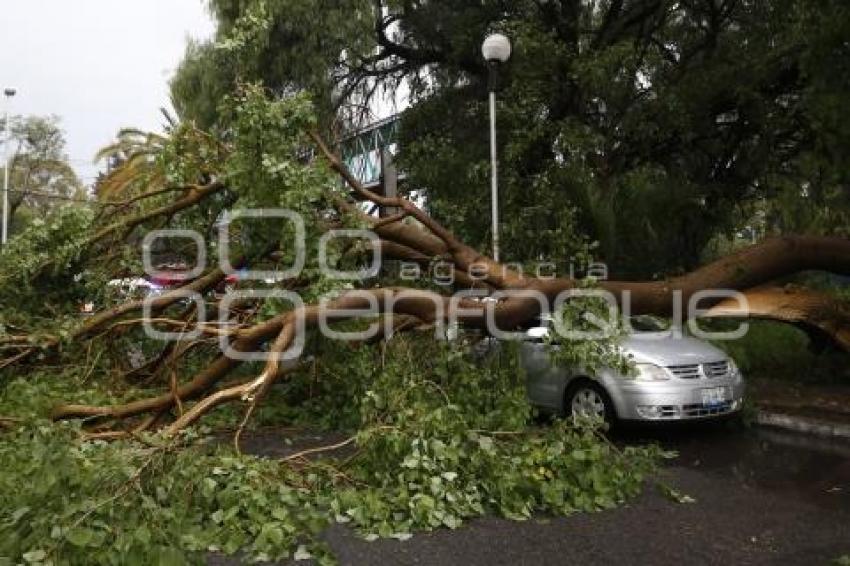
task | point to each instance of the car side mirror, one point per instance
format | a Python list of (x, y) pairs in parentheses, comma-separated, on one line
[(537, 333)]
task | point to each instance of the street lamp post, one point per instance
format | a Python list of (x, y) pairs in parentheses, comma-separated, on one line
[(8, 93), (496, 49)]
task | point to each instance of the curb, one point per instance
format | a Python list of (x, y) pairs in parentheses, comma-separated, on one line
[(803, 424)]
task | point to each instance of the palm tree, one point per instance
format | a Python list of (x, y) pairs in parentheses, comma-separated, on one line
[(135, 163), (132, 162)]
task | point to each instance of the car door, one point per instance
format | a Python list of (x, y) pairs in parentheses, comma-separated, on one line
[(544, 381)]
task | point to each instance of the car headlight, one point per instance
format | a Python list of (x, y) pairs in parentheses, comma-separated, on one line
[(734, 371), (651, 372)]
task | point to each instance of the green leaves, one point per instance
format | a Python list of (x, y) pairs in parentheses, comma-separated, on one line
[(38, 266), (435, 462), (674, 494), (586, 334), (434, 449), (81, 536), (34, 556)]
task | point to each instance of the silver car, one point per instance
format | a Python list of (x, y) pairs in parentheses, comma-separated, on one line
[(676, 379)]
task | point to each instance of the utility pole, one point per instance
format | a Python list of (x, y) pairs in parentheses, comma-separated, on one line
[(496, 50), (8, 93)]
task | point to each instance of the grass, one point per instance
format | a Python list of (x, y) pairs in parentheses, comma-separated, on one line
[(777, 351)]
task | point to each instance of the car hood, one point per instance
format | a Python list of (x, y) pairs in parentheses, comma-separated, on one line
[(663, 350)]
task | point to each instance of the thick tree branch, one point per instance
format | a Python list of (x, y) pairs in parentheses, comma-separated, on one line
[(818, 314)]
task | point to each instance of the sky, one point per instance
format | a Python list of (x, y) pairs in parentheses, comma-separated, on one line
[(99, 65)]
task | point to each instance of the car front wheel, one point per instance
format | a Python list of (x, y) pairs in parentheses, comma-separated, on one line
[(590, 401)]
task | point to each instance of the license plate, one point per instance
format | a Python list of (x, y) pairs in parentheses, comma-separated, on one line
[(713, 396)]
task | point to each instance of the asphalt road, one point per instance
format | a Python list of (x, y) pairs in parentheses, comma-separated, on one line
[(762, 497)]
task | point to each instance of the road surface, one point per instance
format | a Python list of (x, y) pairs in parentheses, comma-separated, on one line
[(762, 497)]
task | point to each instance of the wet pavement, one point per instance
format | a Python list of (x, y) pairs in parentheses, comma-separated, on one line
[(762, 496), (799, 466)]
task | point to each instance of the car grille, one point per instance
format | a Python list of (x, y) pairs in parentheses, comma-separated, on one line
[(668, 412), (715, 369), (693, 410), (697, 410), (690, 371), (710, 370)]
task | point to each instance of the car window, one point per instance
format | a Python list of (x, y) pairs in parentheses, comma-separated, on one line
[(542, 321), (648, 323)]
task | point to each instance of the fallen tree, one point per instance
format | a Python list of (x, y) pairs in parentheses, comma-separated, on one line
[(263, 164)]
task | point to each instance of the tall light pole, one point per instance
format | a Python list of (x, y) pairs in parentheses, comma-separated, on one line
[(496, 50), (8, 93)]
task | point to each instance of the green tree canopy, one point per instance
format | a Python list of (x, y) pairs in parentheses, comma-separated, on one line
[(650, 126), (40, 176)]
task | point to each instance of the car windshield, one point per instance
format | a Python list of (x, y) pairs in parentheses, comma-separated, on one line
[(647, 323)]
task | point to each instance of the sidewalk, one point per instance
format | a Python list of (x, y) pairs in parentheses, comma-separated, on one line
[(816, 409)]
